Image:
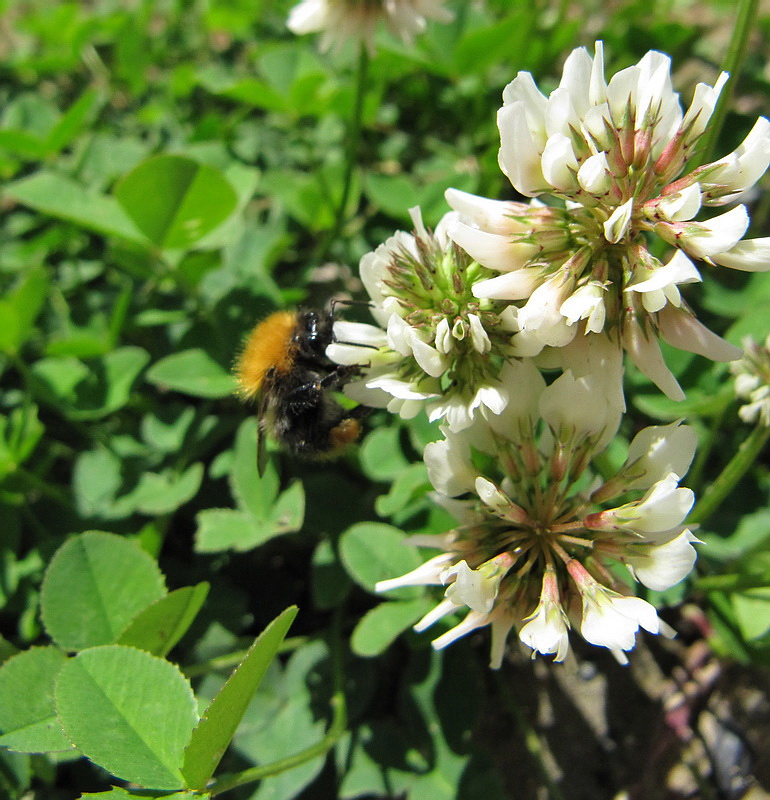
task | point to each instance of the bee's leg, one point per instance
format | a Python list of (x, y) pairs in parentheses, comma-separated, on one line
[(339, 375)]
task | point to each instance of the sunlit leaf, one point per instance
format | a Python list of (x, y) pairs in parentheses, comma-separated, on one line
[(174, 200), (129, 712), (94, 586), (217, 726)]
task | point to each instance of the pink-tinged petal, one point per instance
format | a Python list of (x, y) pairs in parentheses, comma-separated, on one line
[(749, 255), (645, 353), (683, 330)]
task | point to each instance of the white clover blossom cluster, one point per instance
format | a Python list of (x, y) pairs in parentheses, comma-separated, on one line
[(437, 346), (341, 20), (472, 316), (534, 548), (612, 155), (752, 381)]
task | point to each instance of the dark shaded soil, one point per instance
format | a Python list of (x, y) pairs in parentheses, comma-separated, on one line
[(677, 723)]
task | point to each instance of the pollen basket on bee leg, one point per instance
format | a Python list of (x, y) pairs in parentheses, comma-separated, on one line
[(268, 347)]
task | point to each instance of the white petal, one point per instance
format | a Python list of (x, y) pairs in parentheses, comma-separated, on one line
[(594, 174), (702, 107), (516, 285), (449, 470), (646, 355), (662, 566), (681, 206), (479, 336), (716, 235), (519, 152), (427, 574), (493, 216), (682, 330), (616, 226), (559, 164), (429, 359), (490, 249), (749, 255), (659, 450)]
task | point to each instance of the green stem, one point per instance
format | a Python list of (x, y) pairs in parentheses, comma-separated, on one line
[(730, 475), (736, 52), (351, 152), (733, 582), (333, 734), (230, 660)]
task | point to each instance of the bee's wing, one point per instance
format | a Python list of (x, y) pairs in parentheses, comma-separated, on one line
[(262, 455)]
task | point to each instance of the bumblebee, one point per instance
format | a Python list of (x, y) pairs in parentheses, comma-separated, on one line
[(284, 367)]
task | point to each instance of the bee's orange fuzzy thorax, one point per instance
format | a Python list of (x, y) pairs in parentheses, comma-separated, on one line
[(269, 346)]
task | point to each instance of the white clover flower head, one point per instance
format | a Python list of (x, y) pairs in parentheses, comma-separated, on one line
[(752, 381), (441, 345), (341, 20), (614, 153), (538, 537)]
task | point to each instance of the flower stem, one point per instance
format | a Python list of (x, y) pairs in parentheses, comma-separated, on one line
[(337, 727), (745, 22), (351, 154), (730, 475)]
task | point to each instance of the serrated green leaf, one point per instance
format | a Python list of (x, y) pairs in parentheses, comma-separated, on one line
[(94, 586), (175, 201), (380, 626), (373, 551), (27, 715), (283, 720), (129, 712), (192, 372), (217, 726), (161, 625), (60, 197)]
